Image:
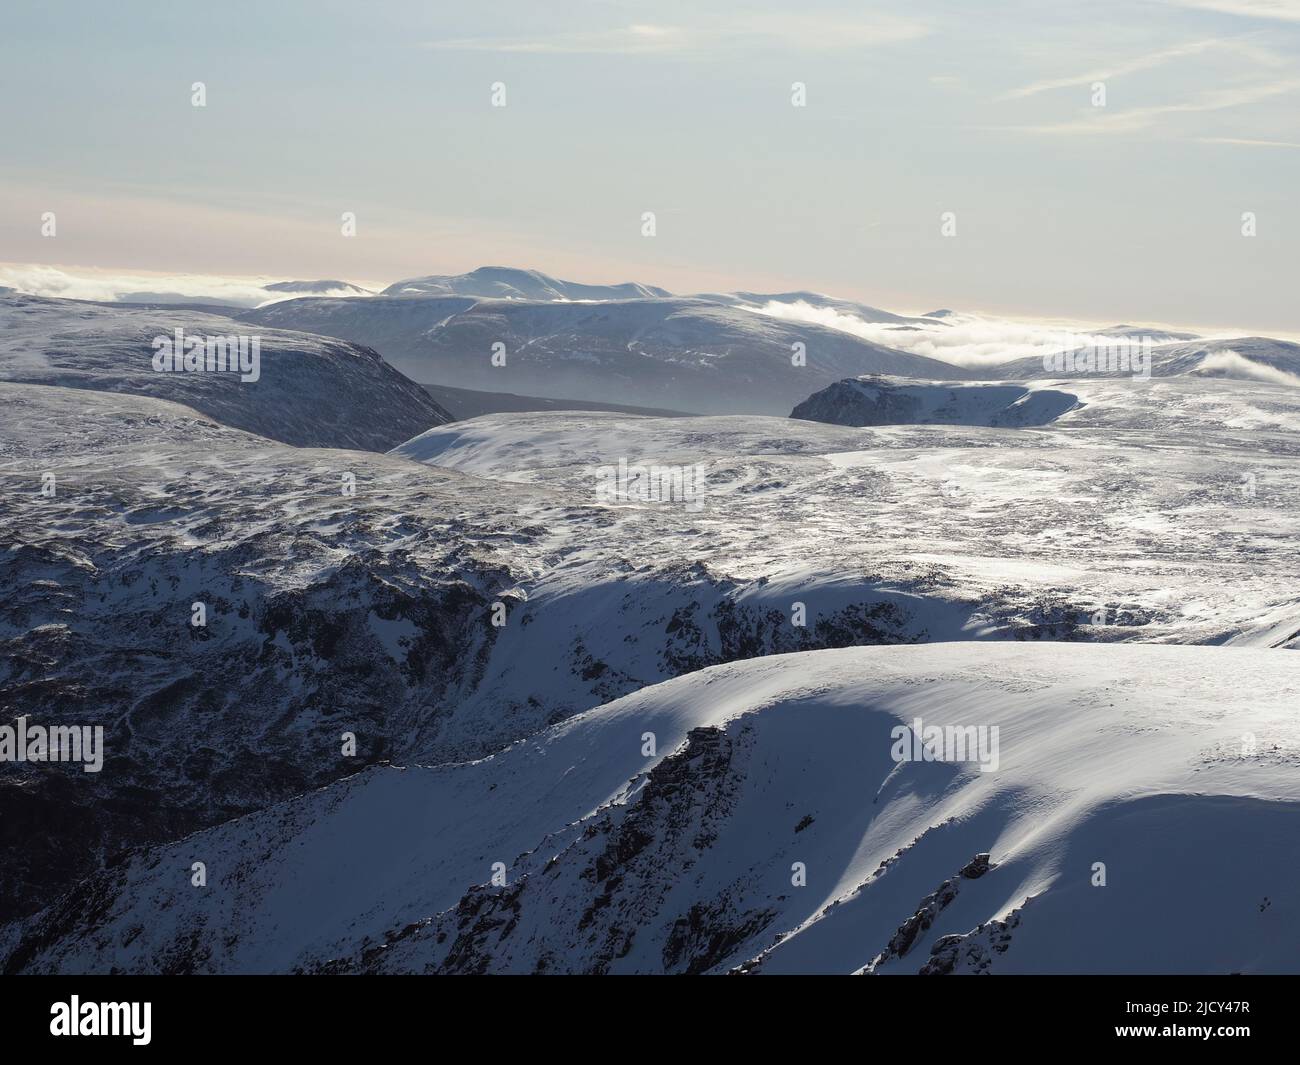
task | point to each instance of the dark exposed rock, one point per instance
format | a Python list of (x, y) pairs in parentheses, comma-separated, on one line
[(930, 907), (880, 400), (971, 952), (708, 933), (614, 878)]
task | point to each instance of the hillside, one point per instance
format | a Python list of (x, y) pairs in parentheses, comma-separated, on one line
[(680, 354), (773, 831), (308, 391)]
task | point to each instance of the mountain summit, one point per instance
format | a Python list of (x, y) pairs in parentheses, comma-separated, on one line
[(504, 282)]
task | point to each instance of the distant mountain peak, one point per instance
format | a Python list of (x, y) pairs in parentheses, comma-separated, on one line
[(508, 282), (312, 288)]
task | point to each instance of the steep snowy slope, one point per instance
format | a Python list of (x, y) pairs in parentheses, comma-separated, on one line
[(322, 611), (305, 390), (682, 354), (1137, 809)]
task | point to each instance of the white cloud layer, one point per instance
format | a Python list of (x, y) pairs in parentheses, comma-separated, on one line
[(963, 340), (1142, 62), (1233, 362), (1284, 10), (1103, 121), (802, 31), (141, 287)]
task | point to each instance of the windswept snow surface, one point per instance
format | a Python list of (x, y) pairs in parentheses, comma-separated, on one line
[(1141, 513), (1168, 772)]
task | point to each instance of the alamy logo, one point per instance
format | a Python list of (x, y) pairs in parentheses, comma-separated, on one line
[(21, 742), (193, 354), (102, 1018), (626, 483), (946, 743), (1104, 355)]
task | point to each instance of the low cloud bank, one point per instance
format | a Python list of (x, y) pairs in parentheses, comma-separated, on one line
[(963, 340), (1237, 365), (141, 287)]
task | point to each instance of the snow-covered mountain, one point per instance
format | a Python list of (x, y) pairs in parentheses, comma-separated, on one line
[(503, 282), (309, 391), (319, 288), (861, 311), (372, 612), (1157, 336), (518, 331), (1132, 809), (684, 354), (498, 632)]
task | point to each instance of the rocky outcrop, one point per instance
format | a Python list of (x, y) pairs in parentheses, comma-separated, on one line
[(929, 908), (973, 952), (605, 901), (879, 400)]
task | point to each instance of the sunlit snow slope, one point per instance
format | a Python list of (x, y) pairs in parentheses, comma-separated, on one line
[(1175, 768), (309, 391)]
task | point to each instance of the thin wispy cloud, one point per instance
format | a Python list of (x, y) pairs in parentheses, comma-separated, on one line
[(800, 32), (1286, 10), (891, 86), (1249, 142), (1099, 121), (1143, 62), (636, 39)]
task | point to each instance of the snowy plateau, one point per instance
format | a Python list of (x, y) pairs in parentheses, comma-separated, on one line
[(593, 735)]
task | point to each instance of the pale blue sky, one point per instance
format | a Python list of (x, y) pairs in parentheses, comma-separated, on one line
[(1127, 212)]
